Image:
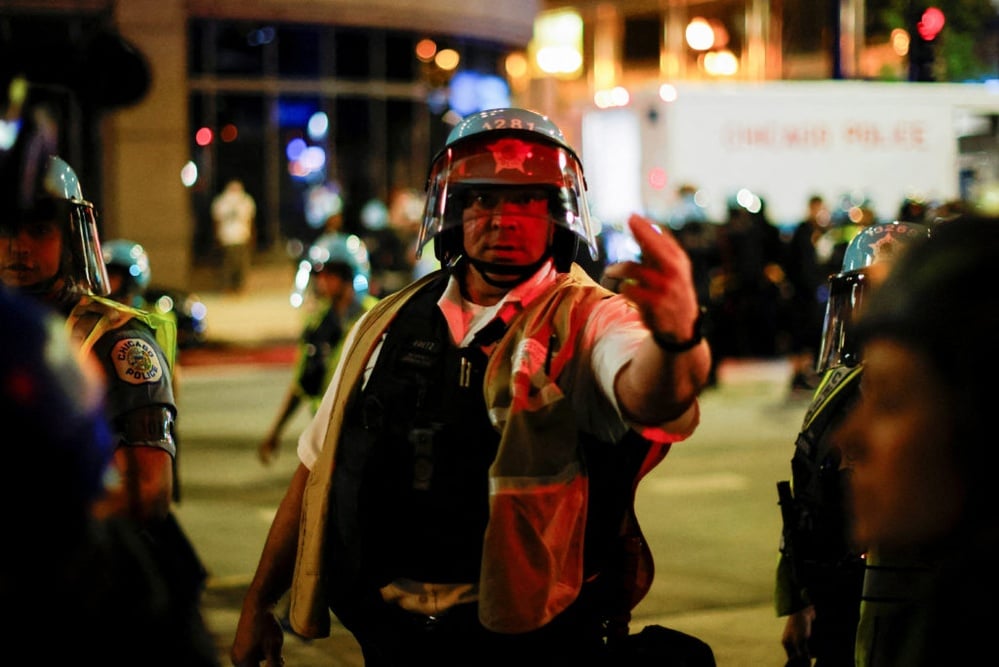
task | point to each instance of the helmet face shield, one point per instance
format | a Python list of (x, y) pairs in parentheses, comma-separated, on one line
[(86, 261), (81, 266), (865, 263), (838, 346), (513, 166)]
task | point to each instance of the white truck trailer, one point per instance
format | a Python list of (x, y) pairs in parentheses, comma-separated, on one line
[(786, 140)]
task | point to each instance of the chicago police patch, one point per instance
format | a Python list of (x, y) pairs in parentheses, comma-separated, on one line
[(136, 362)]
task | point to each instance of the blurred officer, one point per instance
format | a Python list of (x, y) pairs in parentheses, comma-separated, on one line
[(123, 612), (820, 572), (463, 476), (49, 249), (920, 447), (128, 270), (332, 283)]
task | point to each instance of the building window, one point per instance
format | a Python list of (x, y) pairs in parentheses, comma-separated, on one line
[(641, 40)]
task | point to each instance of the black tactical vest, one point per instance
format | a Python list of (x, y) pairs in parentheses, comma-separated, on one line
[(819, 533), (411, 488)]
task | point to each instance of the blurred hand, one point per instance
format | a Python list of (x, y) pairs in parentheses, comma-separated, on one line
[(661, 283), (268, 449), (797, 631), (259, 637)]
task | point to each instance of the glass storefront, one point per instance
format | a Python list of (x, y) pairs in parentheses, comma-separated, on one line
[(294, 110)]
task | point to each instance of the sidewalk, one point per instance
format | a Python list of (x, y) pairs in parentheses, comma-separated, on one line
[(260, 316)]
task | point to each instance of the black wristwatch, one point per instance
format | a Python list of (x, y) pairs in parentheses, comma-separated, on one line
[(683, 345)]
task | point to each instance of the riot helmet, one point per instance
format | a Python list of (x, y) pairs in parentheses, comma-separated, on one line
[(865, 261), (129, 261), (40, 190), (344, 254), (506, 153)]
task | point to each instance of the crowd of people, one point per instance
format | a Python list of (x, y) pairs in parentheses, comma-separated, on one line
[(465, 485)]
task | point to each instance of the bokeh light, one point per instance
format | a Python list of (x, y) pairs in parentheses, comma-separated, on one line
[(447, 59), (204, 136), (189, 174)]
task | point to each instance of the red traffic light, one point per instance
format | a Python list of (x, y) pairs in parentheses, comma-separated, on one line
[(930, 24)]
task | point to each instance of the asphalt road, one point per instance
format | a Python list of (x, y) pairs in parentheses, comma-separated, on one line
[(709, 510)]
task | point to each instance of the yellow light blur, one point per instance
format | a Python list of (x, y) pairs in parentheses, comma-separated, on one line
[(516, 65), (614, 97), (900, 41), (699, 34), (447, 59), (558, 60), (558, 41), (426, 49), (721, 63)]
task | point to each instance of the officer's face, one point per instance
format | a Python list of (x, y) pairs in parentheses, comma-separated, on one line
[(29, 253), (898, 446), (510, 226)]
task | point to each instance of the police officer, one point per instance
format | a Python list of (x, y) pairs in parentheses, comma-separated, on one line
[(50, 249), (128, 270), (332, 286), (820, 572), (456, 485), (920, 449)]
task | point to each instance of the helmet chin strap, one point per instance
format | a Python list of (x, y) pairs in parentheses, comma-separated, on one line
[(519, 272)]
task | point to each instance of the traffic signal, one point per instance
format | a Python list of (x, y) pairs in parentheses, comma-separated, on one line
[(923, 43)]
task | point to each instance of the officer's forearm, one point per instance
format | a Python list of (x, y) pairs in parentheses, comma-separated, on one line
[(277, 561), (657, 386)]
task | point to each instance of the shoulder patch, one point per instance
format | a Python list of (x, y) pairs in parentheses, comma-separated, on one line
[(136, 361)]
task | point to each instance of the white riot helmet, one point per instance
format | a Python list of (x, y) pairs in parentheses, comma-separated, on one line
[(503, 150)]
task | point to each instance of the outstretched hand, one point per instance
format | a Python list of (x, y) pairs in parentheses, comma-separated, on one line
[(660, 283)]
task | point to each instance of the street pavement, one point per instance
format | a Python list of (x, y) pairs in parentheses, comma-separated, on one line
[(260, 327)]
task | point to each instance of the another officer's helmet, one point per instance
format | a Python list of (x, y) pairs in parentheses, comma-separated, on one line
[(345, 254), (129, 260), (506, 150), (865, 261), (57, 398), (39, 188)]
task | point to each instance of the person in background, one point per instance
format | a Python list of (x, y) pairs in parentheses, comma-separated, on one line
[(750, 257), (128, 270), (465, 485), (806, 279), (233, 213), (821, 570), (335, 294), (50, 250), (920, 448), (123, 612)]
